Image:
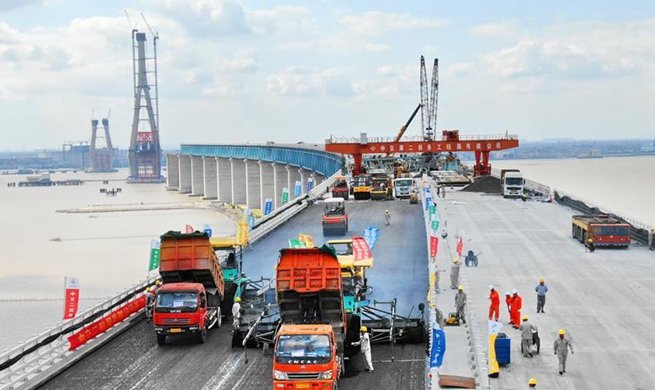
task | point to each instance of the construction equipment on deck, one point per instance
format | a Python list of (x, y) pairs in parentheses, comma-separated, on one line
[(335, 217)]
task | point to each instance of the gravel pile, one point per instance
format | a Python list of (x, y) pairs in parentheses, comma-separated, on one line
[(486, 184)]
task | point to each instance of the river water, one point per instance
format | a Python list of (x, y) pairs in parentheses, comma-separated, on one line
[(108, 252), (621, 184)]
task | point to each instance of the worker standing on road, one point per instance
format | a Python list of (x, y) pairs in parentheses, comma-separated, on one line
[(589, 245), (365, 343), (561, 348), (532, 383), (494, 308), (517, 305), (460, 303), (541, 290), (150, 302), (439, 317), (236, 313), (387, 218), (651, 233), (436, 278), (526, 337), (454, 273), (508, 302)]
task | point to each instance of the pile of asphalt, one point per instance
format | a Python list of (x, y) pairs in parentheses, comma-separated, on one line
[(486, 184)]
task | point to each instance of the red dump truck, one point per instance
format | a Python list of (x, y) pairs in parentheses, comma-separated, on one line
[(190, 299), (603, 230), (316, 334)]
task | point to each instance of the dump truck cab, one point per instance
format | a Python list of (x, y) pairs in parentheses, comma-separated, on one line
[(340, 188), (402, 187), (335, 217), (306, 357)]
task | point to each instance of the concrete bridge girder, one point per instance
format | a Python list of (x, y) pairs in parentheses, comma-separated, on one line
[(184, 164), (253, 184), (239, 189), (210, 177), (197, 176), (224, 171), (173, 167), (266, 182)]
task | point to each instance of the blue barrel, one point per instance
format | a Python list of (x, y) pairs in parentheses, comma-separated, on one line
[(503, 350)]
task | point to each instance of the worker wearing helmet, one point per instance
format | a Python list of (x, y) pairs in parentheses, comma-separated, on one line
[(387, 218), (236, 314), (454, 273), (532, 383), (517, 305), (541, 290), (508, 302), (651, 235), (150, 302), (365, 345), (561, 348), (460, 303), (494, 308), (526, 337), (589, 245)]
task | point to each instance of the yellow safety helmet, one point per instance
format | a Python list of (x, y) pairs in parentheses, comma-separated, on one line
[(363, 329), (590, 240), (460, 288), (542, 280), (532, 381), (456, 259), (237, 299), (147, 289), (525, 318), (562, 331), (158, 282)]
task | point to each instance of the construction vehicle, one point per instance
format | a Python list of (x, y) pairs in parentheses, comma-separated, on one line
[(511, 183), (402, 188), (315, 334), (355, 258), (189, 301), (362, 187), (340, 188), (382, 184), (230, 258), (335, 217), (413, 196), (603, 230)]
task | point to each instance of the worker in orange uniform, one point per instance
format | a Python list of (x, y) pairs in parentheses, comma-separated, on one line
[(508, 302), (517, 305), (494, 308)]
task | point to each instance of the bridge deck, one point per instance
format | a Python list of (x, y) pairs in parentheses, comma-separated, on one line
[(134, 361), (603, 299)]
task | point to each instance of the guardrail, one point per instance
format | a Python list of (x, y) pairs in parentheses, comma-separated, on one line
[(40, 358)]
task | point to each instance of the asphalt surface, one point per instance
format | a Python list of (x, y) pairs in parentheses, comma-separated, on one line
[(604, 300), (134, 361)]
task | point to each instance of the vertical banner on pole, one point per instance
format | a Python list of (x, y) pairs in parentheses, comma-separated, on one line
[(438, 346), (298, 188), (268, 206), (295, 244), (285, 195), (494, 329), (371, 235), (428, 202), (434, 246), (310, 184), (242, 233), (154, 254), (72, 296)]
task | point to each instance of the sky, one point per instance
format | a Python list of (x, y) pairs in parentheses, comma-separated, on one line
[(289, 71)]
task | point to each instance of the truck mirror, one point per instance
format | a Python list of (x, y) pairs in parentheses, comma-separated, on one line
[(421, 306), (202, 302)]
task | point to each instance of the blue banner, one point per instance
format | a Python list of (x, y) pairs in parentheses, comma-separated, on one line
[(310, 184), (250, 219), (298, 188), (371, 235), (438, 347), (268, 206), (428, 202), (208, 229)]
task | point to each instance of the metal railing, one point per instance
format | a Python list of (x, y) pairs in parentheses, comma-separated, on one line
[(39, 358)]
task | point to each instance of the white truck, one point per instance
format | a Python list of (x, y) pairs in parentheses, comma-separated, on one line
[(402, 187), (511, 183)]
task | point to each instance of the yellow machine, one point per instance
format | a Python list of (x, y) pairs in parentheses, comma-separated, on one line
[(362, 187)]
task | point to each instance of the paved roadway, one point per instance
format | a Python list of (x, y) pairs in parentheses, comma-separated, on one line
[(134, 361), (604, 299)]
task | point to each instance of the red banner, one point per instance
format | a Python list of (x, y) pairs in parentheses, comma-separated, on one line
[(189, 229), (144, 137), (460, 246), (361, 249), (100, 326), (72, 297), (434, 246)]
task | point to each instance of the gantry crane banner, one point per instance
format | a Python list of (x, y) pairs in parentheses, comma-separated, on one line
[(361, 251)]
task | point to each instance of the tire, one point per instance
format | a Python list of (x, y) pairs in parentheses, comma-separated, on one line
[(219, 318), (202, 335), (335, 386), (161, 339)]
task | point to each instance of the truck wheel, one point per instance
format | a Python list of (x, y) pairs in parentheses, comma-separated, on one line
[(219, 320), (202, 335), (161, 339)]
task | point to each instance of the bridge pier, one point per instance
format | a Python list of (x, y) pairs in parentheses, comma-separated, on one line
[(239, 194), (281, 181), (294, 176), (266, 182), (253, 188), (224, 170), (185, 174), (173, 168), (210, 177), (197, 176)]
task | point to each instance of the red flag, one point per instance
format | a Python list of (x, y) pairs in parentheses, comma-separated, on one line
[(72, 297), (361, 251), (460, 246), (434, 246), (189, 229)]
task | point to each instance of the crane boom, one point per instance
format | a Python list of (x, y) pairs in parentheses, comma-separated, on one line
[(432, 112), (405, 126), (425, 118)]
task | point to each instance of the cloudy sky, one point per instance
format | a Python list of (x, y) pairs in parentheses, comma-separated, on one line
[(287, 71)]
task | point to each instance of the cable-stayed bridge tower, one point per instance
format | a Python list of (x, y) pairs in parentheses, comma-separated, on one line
[(145, 150), (101, 157)]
